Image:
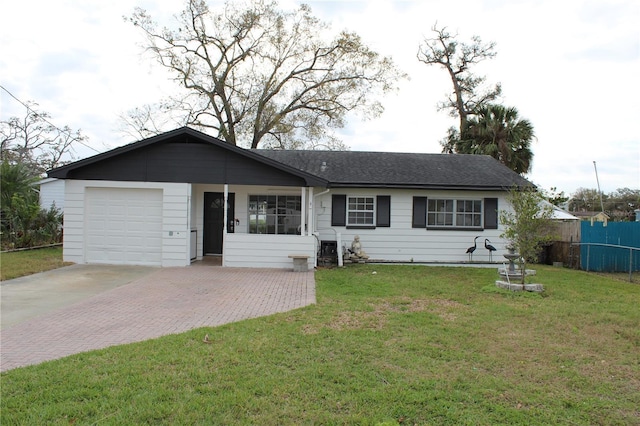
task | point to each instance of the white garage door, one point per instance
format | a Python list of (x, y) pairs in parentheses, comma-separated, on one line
[(123, 226)]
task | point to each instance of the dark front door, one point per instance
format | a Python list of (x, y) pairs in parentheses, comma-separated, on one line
[(214, 220)]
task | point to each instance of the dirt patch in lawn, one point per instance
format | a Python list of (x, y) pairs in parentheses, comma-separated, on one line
[(376, 318)]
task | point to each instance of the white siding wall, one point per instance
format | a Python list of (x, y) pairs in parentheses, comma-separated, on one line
[(266, 251), (176, 225), (401, 242), (73, 247), (183, 206), (175, 220), (52, 193)]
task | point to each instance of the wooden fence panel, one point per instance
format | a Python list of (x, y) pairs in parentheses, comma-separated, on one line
[(560, 250)]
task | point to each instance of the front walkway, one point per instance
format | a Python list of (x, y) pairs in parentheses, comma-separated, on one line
[(168, 301)]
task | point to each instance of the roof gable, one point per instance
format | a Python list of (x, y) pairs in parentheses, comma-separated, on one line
[(185, 155)]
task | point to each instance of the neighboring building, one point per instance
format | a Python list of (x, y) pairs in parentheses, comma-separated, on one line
[(559, 214), (51, 193), (600, 217), (161, 201), (592, 216)]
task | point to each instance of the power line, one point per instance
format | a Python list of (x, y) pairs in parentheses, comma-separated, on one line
[(47, 121)]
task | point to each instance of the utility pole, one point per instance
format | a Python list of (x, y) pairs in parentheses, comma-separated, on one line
[(599, 191)]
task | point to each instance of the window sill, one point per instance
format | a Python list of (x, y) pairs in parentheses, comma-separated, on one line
[(361, 227), (453, 228)]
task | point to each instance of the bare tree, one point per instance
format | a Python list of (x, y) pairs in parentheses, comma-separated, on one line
[(620, 204), (457, 58), (36, 143), (262, 76), (585, 200), (152, 119)]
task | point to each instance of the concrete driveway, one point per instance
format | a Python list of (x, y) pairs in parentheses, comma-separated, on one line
[(85, 307), (34, 295)]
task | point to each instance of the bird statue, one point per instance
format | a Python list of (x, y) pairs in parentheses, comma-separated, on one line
[(490, 248), (470, 250)]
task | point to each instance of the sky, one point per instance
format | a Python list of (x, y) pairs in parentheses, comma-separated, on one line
[(570, 67)]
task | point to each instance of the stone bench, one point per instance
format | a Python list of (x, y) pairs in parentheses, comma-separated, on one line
[(300, 262)]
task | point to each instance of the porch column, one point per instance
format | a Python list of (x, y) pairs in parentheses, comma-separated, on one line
[(310, 211), (303, 204), (226, 201)]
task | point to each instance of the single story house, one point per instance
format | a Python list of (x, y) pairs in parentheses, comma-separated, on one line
[(176, 197)]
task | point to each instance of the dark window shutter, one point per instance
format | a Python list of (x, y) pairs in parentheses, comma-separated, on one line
[(338, 210), (383, 211), (490, 213), (419, 212)]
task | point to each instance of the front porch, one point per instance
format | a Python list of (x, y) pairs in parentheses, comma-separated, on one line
[(260, 227), (267, 251)]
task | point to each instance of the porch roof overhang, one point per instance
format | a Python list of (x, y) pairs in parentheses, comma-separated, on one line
[(189, 156)]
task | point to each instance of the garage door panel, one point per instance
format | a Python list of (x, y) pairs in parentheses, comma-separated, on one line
[(124, 225), (116, 210), (117, 227), (137, 211), (115, 240)]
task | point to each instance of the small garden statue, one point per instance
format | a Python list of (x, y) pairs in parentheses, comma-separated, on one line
[(356, 250)]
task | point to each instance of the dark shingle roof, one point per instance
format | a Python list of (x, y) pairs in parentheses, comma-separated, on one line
[(401, 170), (348, 168)]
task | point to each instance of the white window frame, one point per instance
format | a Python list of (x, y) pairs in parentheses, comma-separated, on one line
[(361, 213), (443, 217)]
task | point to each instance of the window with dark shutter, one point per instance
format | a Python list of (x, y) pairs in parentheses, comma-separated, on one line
[(338, 210), (383, 211), (490, 213), (419, 212)]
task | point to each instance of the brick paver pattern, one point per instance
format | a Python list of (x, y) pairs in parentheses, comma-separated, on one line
[(169, 301)]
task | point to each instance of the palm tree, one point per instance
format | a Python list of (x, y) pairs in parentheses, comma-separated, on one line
[(16, 180), (497, 131), (18, 201)]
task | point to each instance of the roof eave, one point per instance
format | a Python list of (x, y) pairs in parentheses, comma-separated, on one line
[(449, 187)]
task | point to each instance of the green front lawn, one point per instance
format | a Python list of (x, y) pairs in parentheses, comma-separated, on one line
[(406, 345), (26, 262)]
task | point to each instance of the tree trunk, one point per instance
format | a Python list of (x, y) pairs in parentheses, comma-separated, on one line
[(462, 113)]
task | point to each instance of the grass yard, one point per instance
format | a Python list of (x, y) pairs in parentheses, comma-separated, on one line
[(406, 345), (26, 262)]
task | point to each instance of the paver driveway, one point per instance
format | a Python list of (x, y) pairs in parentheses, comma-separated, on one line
[(167, 301)]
